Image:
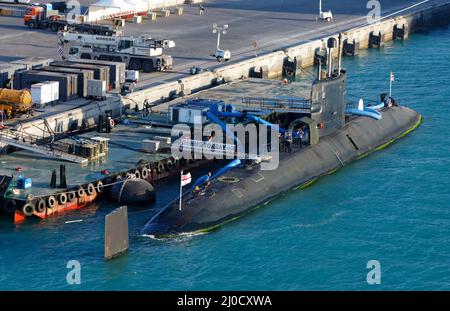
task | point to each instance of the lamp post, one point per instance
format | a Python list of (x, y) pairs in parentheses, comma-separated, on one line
[(219, 30), (221, 55)]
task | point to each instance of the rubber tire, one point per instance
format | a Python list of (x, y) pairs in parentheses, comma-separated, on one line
[(90, 189), (168, 165), (99, 186), (220, 59), (80, 192), (71, 196), (51, 201), (32, 25), (41, 206), (160, 167), (54, 27), (137, 174), (135, 65), (144, 173), (28, 209), (62, 198), (147, 66)]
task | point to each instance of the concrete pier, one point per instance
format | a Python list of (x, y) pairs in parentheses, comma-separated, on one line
[(284, 44), (397, 26)]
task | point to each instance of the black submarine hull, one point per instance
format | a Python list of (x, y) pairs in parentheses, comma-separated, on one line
[(229, 198)]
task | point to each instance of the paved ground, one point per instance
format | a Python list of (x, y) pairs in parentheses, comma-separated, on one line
[(272, 24)]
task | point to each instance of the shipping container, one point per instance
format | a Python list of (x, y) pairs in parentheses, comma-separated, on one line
[(116, 70), (67, 82), (41, 93), (96, 89), (55, 90), (100, 72), (83, 76), (32, 63)]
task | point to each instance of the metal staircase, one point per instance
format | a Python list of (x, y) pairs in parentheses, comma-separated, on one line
[(26, 141)]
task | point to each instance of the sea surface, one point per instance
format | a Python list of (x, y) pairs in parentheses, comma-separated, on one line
[(393, 207)]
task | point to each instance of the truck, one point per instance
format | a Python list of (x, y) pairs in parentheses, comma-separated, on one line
[(43, 16), (138, 53), (16, 1), (13, 102)]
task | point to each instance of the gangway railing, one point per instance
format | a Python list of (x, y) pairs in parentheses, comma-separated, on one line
[(211, 149), (24, 141), (299, 105)]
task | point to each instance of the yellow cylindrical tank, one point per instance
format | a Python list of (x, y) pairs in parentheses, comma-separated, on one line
[(18, 97)]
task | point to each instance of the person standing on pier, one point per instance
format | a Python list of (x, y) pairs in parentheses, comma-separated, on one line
[(201, 9)]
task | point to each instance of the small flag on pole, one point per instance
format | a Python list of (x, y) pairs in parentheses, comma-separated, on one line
[(185, 179), (391, 79)]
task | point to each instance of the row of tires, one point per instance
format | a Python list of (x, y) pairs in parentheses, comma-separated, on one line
[(144, 171), (145, 168), (40, 205)]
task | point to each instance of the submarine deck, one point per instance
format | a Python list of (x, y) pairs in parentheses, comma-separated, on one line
[(124, 153), (237, 91)]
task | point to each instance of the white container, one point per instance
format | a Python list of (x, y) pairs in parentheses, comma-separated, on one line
[(150, 145), (55, 90), (163, 139), (137, 19), (131, 75), (41, 93), (96, 88)]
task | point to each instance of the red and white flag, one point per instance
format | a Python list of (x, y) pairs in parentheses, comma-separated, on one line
[(392, 77), (185, 179)]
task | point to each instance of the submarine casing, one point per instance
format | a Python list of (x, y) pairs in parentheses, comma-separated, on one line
[(224, 201), (337, 143)]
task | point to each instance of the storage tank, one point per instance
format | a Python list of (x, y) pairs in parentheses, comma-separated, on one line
[(20, 97)]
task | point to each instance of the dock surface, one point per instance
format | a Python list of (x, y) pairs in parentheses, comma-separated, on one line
[(270, 24)]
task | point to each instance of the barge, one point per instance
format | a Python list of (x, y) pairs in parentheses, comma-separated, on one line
[(28, 181)]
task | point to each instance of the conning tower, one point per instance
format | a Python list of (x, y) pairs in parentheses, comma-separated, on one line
[(328, 93)]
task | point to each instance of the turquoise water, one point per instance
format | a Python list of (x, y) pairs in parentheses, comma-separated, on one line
[(393, 206)]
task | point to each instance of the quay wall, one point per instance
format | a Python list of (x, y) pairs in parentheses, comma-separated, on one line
[(304, 53), (271, 64)]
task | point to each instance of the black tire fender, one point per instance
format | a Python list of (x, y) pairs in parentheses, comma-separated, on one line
[(41, 206), (28, 209)]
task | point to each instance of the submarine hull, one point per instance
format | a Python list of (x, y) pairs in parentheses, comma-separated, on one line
[(243, 189)]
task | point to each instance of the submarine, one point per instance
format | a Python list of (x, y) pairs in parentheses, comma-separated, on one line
[(335, 135)]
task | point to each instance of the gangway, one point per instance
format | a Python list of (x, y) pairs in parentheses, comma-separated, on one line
[(211, 149), (18, 139)]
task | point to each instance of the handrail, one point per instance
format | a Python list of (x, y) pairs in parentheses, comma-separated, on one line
[(283, 103)]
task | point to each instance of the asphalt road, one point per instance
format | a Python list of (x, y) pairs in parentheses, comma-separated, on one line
[(270, 23)]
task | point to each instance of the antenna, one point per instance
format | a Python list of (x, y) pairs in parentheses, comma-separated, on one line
[(340, 54), (331, 44), (319, 70)]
